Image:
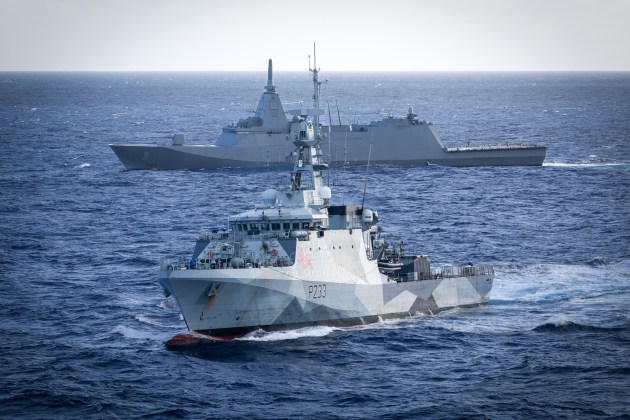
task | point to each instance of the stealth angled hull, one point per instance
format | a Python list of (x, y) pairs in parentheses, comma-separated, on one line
[(198, 157), (406, 146), (232, 302), (242, 305)]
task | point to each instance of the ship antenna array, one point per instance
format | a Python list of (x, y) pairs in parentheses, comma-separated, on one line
[(367, 169), (316, 85), (330, 156)]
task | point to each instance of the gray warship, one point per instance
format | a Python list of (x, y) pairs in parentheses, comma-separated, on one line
[(296, 260), (263, 140)]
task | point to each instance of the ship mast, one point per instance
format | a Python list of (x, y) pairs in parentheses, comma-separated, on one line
[(270, 88), (316, 86), (308, 162)]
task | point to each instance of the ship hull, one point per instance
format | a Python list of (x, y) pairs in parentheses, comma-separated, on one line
[(200, 157), (495, 157), (224, 303)]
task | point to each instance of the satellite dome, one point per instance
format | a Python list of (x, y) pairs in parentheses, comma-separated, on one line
[(325, 193), (269, 197), (368, 216)]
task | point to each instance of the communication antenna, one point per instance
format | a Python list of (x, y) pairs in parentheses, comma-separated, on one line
[(329, 140), (367, 168), (268, 166), (345, 149), (316, 90), (329, 117)]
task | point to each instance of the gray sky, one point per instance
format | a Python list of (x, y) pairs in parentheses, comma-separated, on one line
[(420, 35)]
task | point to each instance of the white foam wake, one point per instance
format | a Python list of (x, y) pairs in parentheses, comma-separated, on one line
[(319, 331), (581, 165)]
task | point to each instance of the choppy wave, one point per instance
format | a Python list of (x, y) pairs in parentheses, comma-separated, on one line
[(552, 283), (84, 320), (561, 324), (133, 333)]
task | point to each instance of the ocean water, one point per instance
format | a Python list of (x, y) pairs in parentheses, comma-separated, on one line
[(84, 321)]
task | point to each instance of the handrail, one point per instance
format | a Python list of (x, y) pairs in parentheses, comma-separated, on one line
[(449, 271), (484, 147)]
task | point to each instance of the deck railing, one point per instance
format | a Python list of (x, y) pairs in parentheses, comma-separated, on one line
[(448, 271)]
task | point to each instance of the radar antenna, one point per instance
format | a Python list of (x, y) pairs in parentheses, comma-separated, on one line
[(316, 86), (367, 168)]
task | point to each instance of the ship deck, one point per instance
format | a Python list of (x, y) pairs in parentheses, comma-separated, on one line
[(488, 147)]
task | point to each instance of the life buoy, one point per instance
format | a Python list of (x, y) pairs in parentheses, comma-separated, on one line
[(274, 253), (210, 255)]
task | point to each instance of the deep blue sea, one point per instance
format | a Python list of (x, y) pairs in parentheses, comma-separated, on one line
[(83, 320)]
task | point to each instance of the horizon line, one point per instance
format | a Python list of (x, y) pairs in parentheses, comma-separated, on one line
[(303, 71)]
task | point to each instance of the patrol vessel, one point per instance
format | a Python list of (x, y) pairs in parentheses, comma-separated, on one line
[(262, 140), (297, 260)]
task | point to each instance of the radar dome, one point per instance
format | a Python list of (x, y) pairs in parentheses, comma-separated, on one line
[(325, 193), (179, 139), (368, 216), (269, 197)]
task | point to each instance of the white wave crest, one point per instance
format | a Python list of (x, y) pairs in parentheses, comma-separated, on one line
[(133, 333), (147, 320), (167, 304), (156, 323), (558, 320)]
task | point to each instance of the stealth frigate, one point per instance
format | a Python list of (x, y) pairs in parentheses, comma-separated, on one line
[(263, 140)]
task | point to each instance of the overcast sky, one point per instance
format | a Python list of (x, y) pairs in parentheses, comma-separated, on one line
[(400, 35)]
